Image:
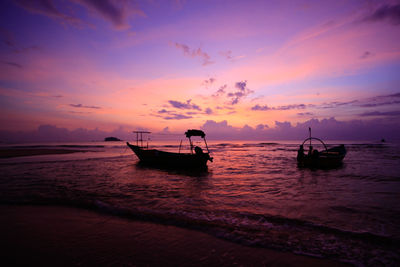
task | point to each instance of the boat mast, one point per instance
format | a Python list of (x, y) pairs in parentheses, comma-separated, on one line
[(139, 138), (309, 130)]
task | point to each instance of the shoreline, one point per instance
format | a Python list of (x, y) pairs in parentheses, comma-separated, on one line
[(54, 235), (16, 152)]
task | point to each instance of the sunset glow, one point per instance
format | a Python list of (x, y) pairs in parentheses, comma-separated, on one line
[(174, 65)]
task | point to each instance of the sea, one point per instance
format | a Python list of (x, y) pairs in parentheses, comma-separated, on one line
[(253, 193)]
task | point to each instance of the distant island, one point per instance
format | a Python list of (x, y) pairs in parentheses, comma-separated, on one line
[(111, 139)]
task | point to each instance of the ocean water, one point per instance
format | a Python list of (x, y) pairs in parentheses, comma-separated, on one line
[(253, 193)]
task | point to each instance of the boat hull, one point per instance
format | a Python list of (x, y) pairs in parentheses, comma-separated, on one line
[(330, 158), (154, 157)]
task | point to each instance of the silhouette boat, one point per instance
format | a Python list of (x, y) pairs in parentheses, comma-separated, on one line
[(328, 158), (153, 157)]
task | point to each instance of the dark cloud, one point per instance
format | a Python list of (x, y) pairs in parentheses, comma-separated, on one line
[(368, 105), (381, 114), (286, 107), (7, 37), (336, 104), (261, 108), (209, 111), (116, 12), (295, 106), (177, 117), (305, 114), (220, 91), (327, 129), (381, 100), (182, 105), (172, 115), (206, 59), (83, 106), (366, 55), (242, 92), (385, 13), (209, 81), (394, 95), (12, 64), (47, 8), (163, 111)]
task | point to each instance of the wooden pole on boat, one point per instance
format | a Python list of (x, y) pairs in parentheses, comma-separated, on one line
[(206, 145), (191, 145), (309, 129)]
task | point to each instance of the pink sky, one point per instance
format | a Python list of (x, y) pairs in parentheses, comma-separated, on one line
[(196, 64)]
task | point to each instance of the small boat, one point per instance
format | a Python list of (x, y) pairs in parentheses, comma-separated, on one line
[(328, 158), (194, 160)]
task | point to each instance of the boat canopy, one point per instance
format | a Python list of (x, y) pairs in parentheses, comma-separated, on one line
[(190, 133)]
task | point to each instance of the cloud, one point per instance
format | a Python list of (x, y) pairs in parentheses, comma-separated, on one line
[(242, 92), (172, 115), (336, 104), (209, 81), (116, 12), (47, 8), (285, 107), (182, 105), (220, 91), (12, 64), (327, 129), (7, 37), (260, 108), (385, 13), (163, 111), (83, 106), (193, 53), (305, 114), (366, 55), (368, 105), (228, 55), (378, 113), (380, 100), (393, 95), (209, 111), (177, 117)]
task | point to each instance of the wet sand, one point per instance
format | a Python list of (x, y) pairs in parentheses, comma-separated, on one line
[(62, 236), (16, 152)]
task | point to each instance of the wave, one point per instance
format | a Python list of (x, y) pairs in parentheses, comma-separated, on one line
[(260, 230), (54, 146)]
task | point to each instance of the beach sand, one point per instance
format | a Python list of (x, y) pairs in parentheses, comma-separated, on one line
[(63, 236), (17, 152)]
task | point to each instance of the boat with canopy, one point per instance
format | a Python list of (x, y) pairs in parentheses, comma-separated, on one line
[(197, 158), (327, 158)]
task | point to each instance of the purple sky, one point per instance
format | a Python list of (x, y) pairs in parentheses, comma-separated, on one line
[(80, 70)]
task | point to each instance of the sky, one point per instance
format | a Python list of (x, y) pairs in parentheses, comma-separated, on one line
[(236, 69)]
